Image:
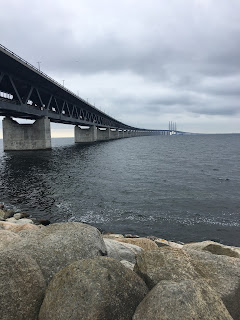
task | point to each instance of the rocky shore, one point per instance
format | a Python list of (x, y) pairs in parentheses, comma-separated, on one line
[(71, 271)]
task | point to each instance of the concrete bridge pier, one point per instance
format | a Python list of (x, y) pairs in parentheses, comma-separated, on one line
[(128, 134), (114, 134), (121, 133), (103, 134), (36, 136), (85, 135)]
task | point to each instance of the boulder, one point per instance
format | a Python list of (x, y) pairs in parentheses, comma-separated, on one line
[(144, 243), (21, 215), (129, 235), (19, 221), (9, 213), (7, 238), (23, 221), (25, 226), (22, 286), (2, 214), (222, 273), (4, 225), (215, 248), (58, 245), (127, 264), (93, 289), (162, 243), (122, 251), (164, 263), (11, 220), (185, 300), (12, 226), (112, 235)]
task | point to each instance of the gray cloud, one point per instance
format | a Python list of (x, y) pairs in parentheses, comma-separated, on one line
[(173, 58)]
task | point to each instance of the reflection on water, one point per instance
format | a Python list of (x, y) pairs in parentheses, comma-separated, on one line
[(183, 188)]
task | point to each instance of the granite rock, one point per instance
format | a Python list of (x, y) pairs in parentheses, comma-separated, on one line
[(214, 247), (222, 273), (7, 238), (22, 286), (144, 243), (57, 245), (93, 289), (122, 251), (185, 300), (164, 263)]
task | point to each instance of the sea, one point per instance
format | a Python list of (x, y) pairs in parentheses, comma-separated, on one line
[(183, 188)]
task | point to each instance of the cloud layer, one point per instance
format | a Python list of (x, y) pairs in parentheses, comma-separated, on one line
[(145, 63)]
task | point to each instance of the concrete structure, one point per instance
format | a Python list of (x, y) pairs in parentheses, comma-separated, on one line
[(120, 133), (34, 136), (86, 135), (103, 134), (114, 134)]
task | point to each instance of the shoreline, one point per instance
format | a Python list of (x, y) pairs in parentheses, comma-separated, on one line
[(192, 232), (70, 270)]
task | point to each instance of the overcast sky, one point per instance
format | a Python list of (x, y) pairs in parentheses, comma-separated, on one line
[(143, 62)]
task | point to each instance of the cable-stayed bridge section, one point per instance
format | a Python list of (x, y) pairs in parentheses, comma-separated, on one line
[(28, 93)]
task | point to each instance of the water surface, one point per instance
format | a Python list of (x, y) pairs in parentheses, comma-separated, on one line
[(183, 188)]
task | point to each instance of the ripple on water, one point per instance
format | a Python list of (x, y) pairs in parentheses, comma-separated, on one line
[(183, 187)]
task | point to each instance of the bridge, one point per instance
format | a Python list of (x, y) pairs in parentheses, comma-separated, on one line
[(28, 93)]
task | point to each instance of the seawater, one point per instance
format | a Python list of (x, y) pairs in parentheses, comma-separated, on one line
[(181, 188)]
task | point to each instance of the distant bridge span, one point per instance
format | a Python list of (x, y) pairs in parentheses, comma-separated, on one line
[(26, 92)]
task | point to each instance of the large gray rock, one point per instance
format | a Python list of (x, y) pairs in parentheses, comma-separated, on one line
[(22, 286), (222, 273), (2, 214), (7, 238), (19, 221), (60, 244), (144, 243), (165, 263), (214, 247), (122, 251), (127, 264), (93, 289), (21, 215), (9, 213), (185, 300)]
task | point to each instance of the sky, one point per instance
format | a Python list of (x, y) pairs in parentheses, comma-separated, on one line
[(143, 62)]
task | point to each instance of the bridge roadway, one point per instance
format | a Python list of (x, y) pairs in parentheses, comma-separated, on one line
[(26, 92)]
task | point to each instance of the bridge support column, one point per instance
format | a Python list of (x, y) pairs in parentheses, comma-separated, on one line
[(114, 134), (36, 136), (85, 135), (111, 134), (120, 134), (103, 135)]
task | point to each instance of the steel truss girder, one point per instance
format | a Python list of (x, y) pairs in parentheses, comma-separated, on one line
[(73, 111), (51, 105)]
